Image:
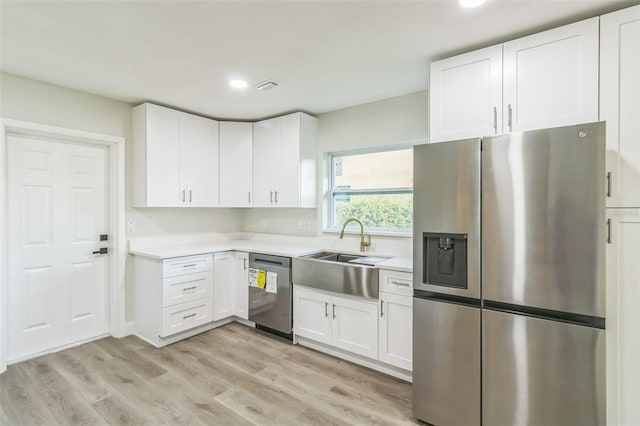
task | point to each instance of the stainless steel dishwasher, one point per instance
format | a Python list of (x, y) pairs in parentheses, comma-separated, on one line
[(272, 311)]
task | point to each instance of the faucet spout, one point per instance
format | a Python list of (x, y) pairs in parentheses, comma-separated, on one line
[(363, 244)]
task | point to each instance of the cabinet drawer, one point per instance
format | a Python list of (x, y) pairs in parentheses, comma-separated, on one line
[(185, 316), (185, 288), (186, 265), (396, 282)]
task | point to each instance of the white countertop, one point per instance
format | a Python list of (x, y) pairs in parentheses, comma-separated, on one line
[(403, 264), (277, 249)]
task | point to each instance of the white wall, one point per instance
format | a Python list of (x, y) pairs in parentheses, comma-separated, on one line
[(34, 101), (393, 121)]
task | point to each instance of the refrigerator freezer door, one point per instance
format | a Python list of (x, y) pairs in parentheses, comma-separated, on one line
[(446, 199), (446, 363), (541, 372), (543, 229)]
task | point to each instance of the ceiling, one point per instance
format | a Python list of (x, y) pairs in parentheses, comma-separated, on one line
[(326, 55)]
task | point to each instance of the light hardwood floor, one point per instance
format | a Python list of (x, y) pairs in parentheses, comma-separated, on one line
[(228, 376)]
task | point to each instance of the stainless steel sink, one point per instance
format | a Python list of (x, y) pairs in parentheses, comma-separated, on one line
[(338, 272)]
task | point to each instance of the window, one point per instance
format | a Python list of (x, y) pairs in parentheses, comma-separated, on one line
[(375, 187)]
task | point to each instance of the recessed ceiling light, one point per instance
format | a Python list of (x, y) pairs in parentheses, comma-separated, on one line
[(471, 3), (238, 84)]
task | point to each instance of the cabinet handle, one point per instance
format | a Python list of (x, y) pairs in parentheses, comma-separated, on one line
[(400, 283), (608, 231), (245, 264), (271, 196), (189, 316), (381, 308), (191, 265), (276, 196), (183, 195), (510, 117), (334, 311), (190, 198), (326, 309), (189, 288), (609, 184), (495, 120)]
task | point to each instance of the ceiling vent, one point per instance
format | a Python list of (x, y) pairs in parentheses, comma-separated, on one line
[(266, 85)]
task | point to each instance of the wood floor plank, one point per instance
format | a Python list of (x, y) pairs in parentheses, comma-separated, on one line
[(61, 399), (232, 375), (19, 401)]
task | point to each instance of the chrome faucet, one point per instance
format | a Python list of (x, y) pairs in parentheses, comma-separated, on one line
[(363, 244)]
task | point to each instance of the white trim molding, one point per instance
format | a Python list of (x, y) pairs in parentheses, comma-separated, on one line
[(116, 194)]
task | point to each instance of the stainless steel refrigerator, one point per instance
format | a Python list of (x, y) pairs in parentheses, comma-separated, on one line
[(509, 299)]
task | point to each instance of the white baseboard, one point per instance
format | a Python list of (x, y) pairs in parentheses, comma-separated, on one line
[(356, 359), (58, 349)]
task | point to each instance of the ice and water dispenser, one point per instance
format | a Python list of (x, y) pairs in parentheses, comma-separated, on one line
[(445, 260)]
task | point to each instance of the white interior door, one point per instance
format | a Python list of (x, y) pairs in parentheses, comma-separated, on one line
[(57, 210)]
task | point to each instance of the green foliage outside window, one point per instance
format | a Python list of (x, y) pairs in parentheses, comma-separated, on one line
[(378, 211)]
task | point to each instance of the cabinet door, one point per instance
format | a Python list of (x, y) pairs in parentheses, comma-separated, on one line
[(288, 171), (163, 158), (311, 315), (620, 103), (265, 164), (223, 266), (236, 141), (396, 330), (465, 95), (199, 160), (355, 326), (241, 285), (551, 78), (623, 317)]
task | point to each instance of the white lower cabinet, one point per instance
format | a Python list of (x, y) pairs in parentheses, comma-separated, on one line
[(396, 330), (241, 285), (337, 321), (171, 296)]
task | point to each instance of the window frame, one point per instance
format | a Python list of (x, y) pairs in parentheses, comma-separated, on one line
[(331, 225)]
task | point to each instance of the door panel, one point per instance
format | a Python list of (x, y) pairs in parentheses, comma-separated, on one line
[(236, 140), (551, 78), (466, 95), (312, 315), (544, 372), (163, 159), (288, 169), (543, 219), (396, 330), (446, 368), (265, 162), (355, 326), (57, 287), (199, 155)]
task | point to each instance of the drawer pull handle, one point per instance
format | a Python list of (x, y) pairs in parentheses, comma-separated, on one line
[(191, 265), (189, 316), (189, 288), (402, 283)]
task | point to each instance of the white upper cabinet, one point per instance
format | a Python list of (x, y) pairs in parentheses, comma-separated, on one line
[(176, 158), (551, 78), (284, 161), (466, 95), (620, 104), (236, 146), (548, 79)]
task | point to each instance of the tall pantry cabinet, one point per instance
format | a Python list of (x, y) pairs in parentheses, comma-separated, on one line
[(620, 108)]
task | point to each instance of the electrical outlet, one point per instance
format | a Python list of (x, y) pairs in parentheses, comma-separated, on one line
[(131, 227)]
